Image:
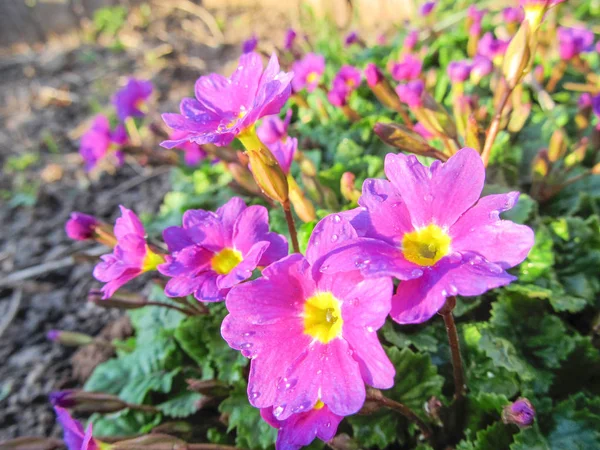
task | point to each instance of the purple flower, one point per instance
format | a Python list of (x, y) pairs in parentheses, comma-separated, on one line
[(373, 75), (480, 68), (585, 101), (475, 17), (339, 95), (411, 39), (129, 100), (512, 14), (596, 105), (273, 129), (426, 226), (311, 336), (74, 436), (131, 256), (81, 227), (284, 151), (521, 413), (308, 72), (411, 93), (302, 428), (53, 335), (225, 107), (351, 38), (249, 45), (193, 153), (290, 37), (348, 76), (426, 8), (574, 41), (459, 71), (407, 69), (98, 143), (490, 47), (214, 251)]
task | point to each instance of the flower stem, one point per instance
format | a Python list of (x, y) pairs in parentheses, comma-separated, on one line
[(187, 312), (457, 366), (291, 226), (495, 126)]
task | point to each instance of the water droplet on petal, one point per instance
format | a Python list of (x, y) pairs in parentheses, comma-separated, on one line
[(337, 218), (334, 237), (278, 411), (416, 273), (428, 198), (494, 215)]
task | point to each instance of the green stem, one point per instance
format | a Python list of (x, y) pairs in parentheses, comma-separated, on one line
[(291, 226), (460, 386)]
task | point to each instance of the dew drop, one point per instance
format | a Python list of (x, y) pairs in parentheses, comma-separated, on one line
[(416, 273), (369, 329), (337, 218), (254, 395), (428, 198), (494, 215), (334, 237), (324, 268), (278, 411)]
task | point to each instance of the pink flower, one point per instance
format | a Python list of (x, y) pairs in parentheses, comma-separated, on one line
[(490, 47), (284, 151), (308, 72), (301, 429), (81, 227), (214, 251), (481, 67), (426, 8), (574, 41), (373, 75), (273, 129), (290, 37), (131, 256), (98, 143), (348, 76), (311, 336), (426, 225), (249, 45), (521, 413), (411, 39), (512, 14), (351, 38), (192, 153), (407, 69), (225, 107), (129, 100), (411, 93), (459, 71), (74, 436)]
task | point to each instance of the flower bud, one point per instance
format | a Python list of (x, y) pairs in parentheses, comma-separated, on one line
[(521, 413), (87, 402), (213, 388), (557, 147), (578, 154), (518, 55), (121, 300), (69, 338), (401, 137), (347, 187), (32, 443), (81, 227), (302, 205)]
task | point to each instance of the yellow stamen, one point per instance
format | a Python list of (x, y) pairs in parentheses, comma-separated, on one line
[(151, 260), (312, 77), (319, 404), (426, 246), (323, 317), (225, 261)]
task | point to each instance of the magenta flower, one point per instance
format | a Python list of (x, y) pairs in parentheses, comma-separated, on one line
[(301, 429), (339, 94), (459, 71), (574, 41), (131, 256), (411, 93), (274, 129), (424, 132), (426, 225), (311, 336), (512, 14), (130, 99), (411, 39), (490, 47), (99, 143), (596, 105), (408, 69), (351, 38), (308, 72), (193, 153), (521, 413), (373, 75), (475, 17), (81, 227), (284, 151), (249, 45), (290, 37), (214, 251), (480, 68), (426, 8), (75, 437), (348, 76), (225, 107), (584, 101)]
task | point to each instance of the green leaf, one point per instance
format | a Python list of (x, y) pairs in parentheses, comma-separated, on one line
[(530, 439), (123, 423), (378, 430), (137, 388), (541, 257), (575, 426), (108, 377), (495, 437), (183, 405), (483, 409), (422, 339), (304, 232)]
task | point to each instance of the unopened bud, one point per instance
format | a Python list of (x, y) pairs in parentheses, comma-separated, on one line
[(473, 133), (347, 187), (557, 147), (578, 154), (521, 413), (517, 56), (302, 205), (120, 300), (401, 137), (69, 338), (87, 402), (81, 227), (213, 388), (540, 166), (31, 443), (596, 169), (307, 167)]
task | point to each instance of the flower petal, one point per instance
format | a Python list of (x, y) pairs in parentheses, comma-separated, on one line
[(331, 232)]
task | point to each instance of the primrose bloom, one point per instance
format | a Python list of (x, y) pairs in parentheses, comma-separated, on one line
[(408, 69), (192, 153), (274, 129), (480, 68), (290, 37), (339, 95), (301, 429), (214, 251), (75, 437), (129, 101), (373, 75), (411, 93), (225, 107), (574, 41), (426, 8), (308, 72), (131, 256), (459, 71), (284, 151), (81, 227), (491, 47), (596, 105), (249, 45), (521, 413), (411, 39), (426, 225), (348, 76), (474, 18), (351, 38), (512, 15), (99, 142), (311, 336)]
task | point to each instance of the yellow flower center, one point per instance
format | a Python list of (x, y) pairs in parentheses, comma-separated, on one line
[(239, 116), (350, 82), (426, 246), (225, 261), (312, 77), (323, 317), (151, 260), (319, 404)]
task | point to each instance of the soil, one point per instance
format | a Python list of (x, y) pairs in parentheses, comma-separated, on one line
[(48, 95)]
